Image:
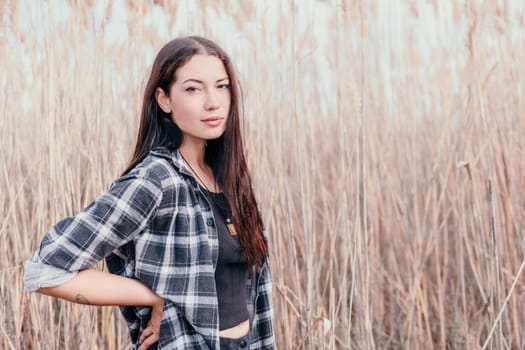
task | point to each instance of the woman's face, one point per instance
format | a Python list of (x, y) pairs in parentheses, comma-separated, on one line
[(199, 99)]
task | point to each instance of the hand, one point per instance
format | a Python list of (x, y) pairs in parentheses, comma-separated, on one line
[(150, 334)]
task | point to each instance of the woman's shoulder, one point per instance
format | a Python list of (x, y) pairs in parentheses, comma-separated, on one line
[(157, 167)]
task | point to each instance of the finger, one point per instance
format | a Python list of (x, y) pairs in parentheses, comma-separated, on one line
[(152, 339), (145, 333)]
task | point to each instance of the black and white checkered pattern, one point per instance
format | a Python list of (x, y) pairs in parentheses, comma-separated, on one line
[(154, 224)]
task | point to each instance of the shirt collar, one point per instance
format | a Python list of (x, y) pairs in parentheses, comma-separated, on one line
[(175, 157)]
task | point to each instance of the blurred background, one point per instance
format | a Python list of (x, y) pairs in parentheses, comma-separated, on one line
[(385, 141)]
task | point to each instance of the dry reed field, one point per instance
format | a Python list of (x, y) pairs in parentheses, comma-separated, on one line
[(390, 169)]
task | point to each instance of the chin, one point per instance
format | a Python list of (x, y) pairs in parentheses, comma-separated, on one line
[(214, 135)]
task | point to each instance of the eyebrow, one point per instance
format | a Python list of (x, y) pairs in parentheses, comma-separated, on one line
[(201, 82)]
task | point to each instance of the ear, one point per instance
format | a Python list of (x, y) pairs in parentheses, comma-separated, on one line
[(163, 100)]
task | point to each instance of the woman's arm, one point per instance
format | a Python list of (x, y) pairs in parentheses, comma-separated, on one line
[(94, 287), (77, 243)]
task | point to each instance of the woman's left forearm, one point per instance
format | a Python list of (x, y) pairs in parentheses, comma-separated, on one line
[(96, 287)]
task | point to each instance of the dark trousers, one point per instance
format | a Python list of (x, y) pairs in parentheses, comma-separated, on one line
[(235, 344), (226, 343)]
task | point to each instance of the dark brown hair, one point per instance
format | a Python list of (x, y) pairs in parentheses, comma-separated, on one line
[(224, 155)]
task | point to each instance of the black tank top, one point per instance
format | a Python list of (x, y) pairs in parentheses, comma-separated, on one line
[(231, 272)]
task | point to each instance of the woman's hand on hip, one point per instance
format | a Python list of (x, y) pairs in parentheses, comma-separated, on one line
[(150, 334)]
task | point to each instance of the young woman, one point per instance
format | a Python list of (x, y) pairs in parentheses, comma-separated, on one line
[(180, 229)]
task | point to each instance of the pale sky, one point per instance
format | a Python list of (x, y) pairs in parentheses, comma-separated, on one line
[(392, 32)]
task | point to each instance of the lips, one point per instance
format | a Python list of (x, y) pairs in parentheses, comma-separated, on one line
[(212, 119)]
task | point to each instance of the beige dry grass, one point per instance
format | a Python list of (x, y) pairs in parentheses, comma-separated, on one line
[(395, 221)]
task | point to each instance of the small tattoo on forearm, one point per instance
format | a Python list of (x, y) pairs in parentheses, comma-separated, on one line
[(82, 299)]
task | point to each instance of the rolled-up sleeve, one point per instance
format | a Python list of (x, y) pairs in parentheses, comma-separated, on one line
[(38, 275), (79, 242)]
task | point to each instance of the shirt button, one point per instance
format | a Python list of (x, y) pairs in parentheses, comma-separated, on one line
[(209, 222), (243, 343)]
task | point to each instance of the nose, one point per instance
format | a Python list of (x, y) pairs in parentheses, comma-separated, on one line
[(212, 101)]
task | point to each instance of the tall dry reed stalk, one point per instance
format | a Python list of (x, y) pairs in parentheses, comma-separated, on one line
[(393, 193)]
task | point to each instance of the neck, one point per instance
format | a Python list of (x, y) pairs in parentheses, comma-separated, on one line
[(194, 153), (194, 157)]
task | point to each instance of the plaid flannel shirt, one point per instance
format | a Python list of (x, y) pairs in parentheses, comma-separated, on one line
[(154, 224)]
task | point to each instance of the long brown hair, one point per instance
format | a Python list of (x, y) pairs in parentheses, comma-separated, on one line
[(224, 155)]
